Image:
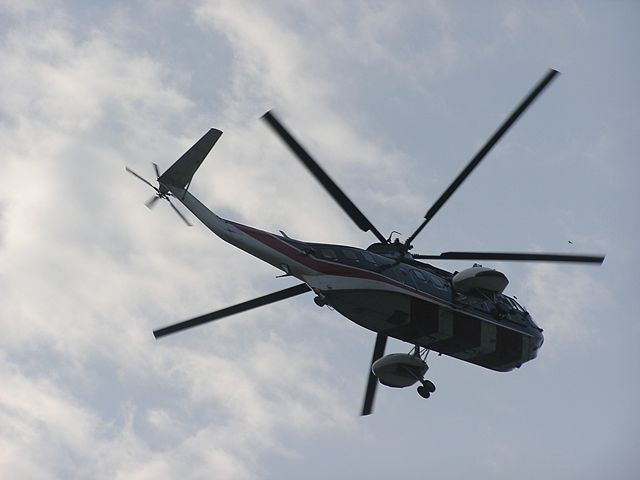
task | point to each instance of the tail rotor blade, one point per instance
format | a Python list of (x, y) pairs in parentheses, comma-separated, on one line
[(239, 308), (180, 214), (141, 178), (151, 202), (378, 352), (156, 169)]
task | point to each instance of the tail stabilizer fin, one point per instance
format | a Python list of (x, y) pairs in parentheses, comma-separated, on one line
[(181, 172)]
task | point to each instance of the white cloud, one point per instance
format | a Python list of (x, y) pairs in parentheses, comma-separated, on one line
[(47, 433), (85, 282), (22, 7), (563, 298), (280, 73), (86, 271)]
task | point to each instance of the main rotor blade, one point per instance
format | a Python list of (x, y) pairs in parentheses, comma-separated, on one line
[(180, 214), (485, 150), (338, 195), (141, 178), (378, 352), (512, 256), (239, 308)]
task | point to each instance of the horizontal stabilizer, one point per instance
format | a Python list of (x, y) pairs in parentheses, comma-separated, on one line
[(181, 172)]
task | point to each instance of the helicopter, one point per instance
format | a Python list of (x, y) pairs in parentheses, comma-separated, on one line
[(385, 287)]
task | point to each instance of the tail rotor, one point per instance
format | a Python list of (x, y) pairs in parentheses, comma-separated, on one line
[(161, 193)]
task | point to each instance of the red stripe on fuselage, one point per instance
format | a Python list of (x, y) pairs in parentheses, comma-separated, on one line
[(321, 266), (330, 268)]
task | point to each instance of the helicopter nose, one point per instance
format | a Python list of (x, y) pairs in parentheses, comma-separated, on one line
[(539, 340)]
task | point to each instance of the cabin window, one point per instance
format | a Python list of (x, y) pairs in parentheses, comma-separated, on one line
[(421, 280), (419, 275), (328, 253), (439, 282), (407, 279), (369, 258), (350, 255)]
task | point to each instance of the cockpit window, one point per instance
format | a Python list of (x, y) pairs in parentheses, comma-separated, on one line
[(516, 305)]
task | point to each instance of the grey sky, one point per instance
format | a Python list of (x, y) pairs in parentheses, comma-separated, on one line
[(393, 98)]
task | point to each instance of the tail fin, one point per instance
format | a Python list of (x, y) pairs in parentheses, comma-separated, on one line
[(181, 172)]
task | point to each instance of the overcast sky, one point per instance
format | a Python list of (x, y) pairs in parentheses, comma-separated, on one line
[(393, 98)]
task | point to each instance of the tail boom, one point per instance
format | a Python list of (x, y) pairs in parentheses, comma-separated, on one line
[(256, 242), (263, 245)]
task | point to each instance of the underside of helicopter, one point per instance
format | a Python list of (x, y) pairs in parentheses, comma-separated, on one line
[(455, 333), (385, 288)]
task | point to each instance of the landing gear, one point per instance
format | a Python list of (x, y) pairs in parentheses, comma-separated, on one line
[(427, 387), (320, 300), (399, 370)]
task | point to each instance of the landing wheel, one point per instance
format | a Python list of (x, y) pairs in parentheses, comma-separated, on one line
[(429, 386), (423, 392), (426, 389)]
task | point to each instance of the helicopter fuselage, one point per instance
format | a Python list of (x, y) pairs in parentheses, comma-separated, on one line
[(415, 304), (383, 288)]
